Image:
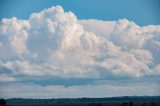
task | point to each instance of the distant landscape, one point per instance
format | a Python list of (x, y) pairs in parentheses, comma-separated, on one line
[(112, 101)]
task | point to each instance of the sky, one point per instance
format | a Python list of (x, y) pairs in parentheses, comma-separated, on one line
[(143, 12), (79, 48)]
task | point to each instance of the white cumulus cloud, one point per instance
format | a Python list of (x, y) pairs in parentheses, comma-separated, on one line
[(55, 43)]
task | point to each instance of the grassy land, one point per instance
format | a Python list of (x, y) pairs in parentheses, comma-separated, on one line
[(95, 104), (115, 101)]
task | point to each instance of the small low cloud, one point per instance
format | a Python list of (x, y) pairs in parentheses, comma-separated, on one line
[(5, 78)]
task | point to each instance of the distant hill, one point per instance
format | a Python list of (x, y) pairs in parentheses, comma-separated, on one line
[(117, 100)]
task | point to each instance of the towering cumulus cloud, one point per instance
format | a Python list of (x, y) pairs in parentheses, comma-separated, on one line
[(54, 43)]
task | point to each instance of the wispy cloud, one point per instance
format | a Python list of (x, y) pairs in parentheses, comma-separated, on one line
[(105, 89)]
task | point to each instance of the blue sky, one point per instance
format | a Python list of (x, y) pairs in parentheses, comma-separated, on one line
[(143, 12), (79, 48)]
